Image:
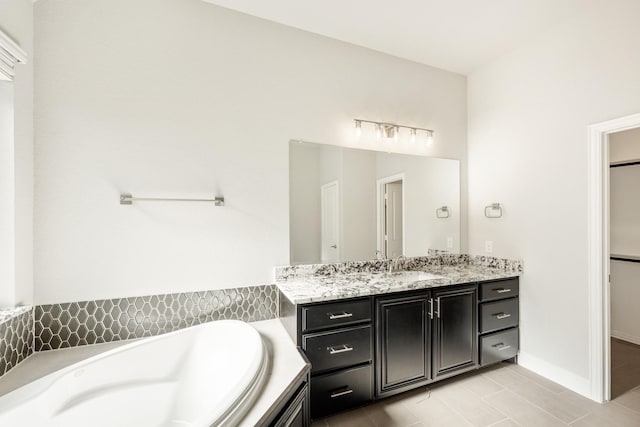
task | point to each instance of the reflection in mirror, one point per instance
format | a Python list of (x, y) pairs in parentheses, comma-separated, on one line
[(348, 204)]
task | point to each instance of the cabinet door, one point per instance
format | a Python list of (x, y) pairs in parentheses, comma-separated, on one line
[(455, 339), (402, 341)]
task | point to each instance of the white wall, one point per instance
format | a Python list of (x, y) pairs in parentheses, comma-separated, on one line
[(304, 209), (16, 20), (624, 208), (358, 194), (624, 145), (428, 185), (528, 117), (183, 98)]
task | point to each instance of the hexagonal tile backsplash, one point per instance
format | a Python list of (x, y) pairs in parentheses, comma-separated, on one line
[(16, 340), (92, 322)]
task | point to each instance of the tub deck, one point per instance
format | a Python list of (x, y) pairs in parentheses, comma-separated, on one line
[(286, 367)]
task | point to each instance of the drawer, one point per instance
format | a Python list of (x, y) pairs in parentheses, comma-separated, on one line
[(499, 289), (345, 389), (337, 349), (498, 346), (498, 315), (336, 313)]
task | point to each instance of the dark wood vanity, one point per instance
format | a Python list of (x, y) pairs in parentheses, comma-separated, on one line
[(367, 348)]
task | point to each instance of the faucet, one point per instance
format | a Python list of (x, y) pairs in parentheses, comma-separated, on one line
[(394, 265)]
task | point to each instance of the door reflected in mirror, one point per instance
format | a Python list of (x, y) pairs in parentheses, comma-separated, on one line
[(348, 204)]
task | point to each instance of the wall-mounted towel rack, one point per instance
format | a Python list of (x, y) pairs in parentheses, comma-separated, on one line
[(128, 199), (494, 210), (443, 212)]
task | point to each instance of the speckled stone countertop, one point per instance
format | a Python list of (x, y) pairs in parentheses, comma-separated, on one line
[(305, 284)]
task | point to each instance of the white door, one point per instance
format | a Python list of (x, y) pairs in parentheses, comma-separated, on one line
[(393, 219), (330, 221)]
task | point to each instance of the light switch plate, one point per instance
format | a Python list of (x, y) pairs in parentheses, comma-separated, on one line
[(488, 246)]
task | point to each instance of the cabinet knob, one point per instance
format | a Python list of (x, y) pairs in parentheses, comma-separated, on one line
[(501, 316)]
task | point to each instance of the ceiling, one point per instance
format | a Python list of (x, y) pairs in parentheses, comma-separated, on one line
[(455, 35)]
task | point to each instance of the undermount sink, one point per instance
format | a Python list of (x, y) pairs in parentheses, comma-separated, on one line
[(414, 276)]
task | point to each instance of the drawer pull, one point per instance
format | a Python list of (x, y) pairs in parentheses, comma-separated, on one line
[(501, 346), (341, 393), (501, 316), (502, 290), (342, 315), (345, 348)]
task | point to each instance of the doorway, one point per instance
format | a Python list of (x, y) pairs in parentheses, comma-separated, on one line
[(598, 238), (624, 265), (390, 196)]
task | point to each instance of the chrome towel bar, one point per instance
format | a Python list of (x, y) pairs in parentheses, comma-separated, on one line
[(128, 199)]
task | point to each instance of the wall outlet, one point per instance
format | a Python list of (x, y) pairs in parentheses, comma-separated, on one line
[(488, 246), (449, 242)]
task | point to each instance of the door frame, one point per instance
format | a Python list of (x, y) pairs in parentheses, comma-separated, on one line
[(380, 210), (598, 253)]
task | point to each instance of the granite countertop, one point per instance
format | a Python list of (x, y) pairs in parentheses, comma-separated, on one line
[(316, 288)]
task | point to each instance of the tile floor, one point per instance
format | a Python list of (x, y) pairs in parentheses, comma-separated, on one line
[(506, 395)]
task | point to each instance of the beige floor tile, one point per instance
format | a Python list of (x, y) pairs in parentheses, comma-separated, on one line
[(609, 415), (565, 406), (630, 399), (433, 412), (506, 423), (541, 381), (521, 411), (467, 403), (354, 418), (390, 414), (624, 378)]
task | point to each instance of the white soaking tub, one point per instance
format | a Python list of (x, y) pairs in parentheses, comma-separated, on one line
[(200, 376)]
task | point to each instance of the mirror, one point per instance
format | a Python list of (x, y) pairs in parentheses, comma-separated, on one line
[(348, 204)]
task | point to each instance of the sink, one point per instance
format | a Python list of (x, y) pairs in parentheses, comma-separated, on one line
[(414, 276)]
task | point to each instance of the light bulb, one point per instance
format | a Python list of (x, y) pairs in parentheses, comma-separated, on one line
[(358, 129), (413, 136), (429, 139), (396, 134), (378, 132)]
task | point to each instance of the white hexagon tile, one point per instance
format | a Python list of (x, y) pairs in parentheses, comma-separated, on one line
[(91, 322)]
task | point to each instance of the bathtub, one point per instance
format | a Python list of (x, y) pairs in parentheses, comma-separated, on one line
[(200, 376)]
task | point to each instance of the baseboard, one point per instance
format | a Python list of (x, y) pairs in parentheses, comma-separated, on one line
[(556, 374), (626, 337)]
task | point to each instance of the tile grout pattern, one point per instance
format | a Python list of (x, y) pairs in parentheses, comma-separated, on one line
[(501, 396), (92, 322), (16, 339)]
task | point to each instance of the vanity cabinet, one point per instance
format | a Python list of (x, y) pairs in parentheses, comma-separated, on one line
[(499, 318), (403, 337), (426, 336), (337, 339), (455, 343), (372, 347)]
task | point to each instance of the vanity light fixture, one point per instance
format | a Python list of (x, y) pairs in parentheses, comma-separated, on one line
[(392, 131)]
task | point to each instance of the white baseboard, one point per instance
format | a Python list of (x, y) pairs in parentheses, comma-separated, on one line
[(626, 337), (556, 374)]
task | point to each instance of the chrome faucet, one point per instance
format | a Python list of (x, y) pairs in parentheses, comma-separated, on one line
[(395, 263)]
